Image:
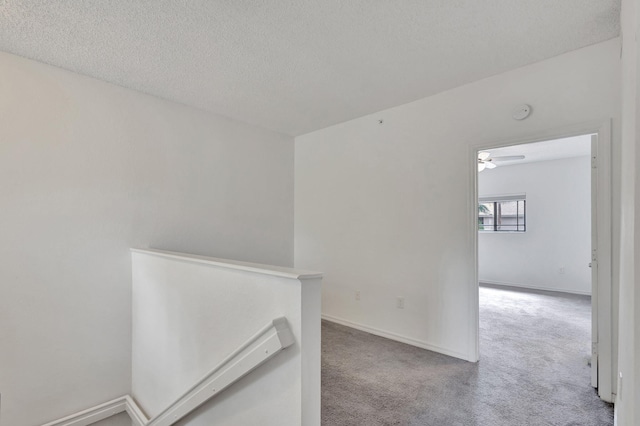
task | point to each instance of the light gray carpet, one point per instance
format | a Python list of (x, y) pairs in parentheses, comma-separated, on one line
[(534, 347)]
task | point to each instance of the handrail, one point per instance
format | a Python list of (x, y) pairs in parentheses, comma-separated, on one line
[(262, 346), (258, 349)]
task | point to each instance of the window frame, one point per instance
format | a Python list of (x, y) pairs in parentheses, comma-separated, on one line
[(497, 199)]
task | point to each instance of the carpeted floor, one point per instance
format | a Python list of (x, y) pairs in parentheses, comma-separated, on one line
[(533, 370)]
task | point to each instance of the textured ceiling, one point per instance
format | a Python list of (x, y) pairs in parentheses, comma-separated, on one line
[(299, 65)]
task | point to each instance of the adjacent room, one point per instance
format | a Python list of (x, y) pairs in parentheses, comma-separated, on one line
[(534, 208), (537, 266)]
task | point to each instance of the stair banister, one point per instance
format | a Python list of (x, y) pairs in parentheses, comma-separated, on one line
[(258, 349)]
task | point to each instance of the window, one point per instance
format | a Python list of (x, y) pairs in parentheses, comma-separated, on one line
[(502, 214)]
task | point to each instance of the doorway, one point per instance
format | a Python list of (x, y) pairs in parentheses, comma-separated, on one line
[(507, 216)]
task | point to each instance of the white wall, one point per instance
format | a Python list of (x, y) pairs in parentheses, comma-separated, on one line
[(558, 234), (88, 171), (628, 392), (189, 316), (383, 208)]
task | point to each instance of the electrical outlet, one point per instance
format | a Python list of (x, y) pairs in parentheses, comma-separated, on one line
[(400, 302), (561, 270), (357, 294)]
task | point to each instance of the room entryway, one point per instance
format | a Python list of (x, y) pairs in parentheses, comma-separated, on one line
[(541, 226)]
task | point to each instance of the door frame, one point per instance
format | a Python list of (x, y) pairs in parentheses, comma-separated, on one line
[(605, 320)]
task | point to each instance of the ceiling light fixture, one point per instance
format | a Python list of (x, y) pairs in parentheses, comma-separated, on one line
[(486, 162)]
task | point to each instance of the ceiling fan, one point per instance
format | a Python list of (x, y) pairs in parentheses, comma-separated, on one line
[(486, 161)]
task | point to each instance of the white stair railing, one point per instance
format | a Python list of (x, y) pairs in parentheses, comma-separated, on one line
[(261, 347)]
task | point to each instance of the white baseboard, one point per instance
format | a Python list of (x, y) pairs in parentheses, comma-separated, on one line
[(138, 417), (397, 337), (104, 411), (94, 414), (534, 287)]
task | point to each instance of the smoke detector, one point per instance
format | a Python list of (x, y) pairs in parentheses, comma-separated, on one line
[(521, 112)]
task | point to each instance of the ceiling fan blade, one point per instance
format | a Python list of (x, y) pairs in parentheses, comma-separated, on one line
[(481, 166), (483, 155), (508, 158), (490, 165)]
